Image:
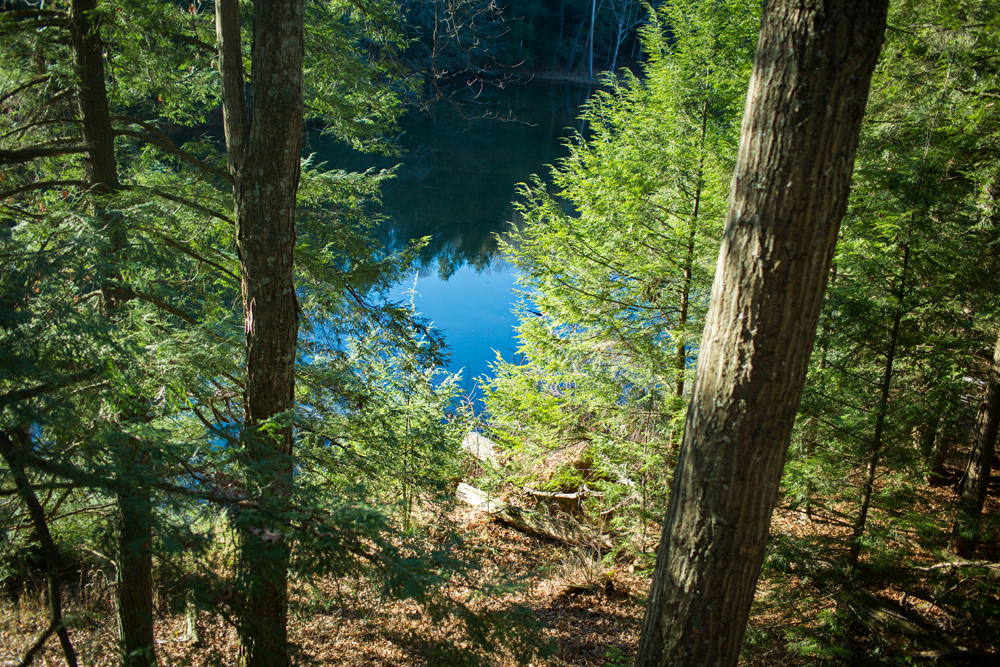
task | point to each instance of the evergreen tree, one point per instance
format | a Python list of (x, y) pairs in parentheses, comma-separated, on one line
[(165, 376), (618, 262), (914, 295), (118, 291), (790, 189)]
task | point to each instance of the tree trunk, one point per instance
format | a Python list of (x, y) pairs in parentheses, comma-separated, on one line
[(965, 535), (264, 157), (134, 557), (875, 448), (92, 99), (680, 362), (789, 191), (134, 562), (593, 19), (12, 451), (928, 443)]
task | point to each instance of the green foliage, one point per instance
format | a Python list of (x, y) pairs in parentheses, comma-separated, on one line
[(381, 438), (913, 298), (618, 263), (123, 352)]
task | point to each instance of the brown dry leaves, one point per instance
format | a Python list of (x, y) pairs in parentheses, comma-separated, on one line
[(347, 623)]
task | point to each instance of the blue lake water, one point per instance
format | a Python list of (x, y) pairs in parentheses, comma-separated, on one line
[(473, 308), (457, 177)]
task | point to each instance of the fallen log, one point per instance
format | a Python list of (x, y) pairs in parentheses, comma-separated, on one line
[(990, 566), (568, 503), (560, 529), (576, 495)]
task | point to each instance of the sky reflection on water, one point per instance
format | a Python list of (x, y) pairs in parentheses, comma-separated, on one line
[(455, 183)]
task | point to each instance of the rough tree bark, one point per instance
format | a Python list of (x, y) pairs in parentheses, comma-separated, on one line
[(92, 99), (133, 516), (264, 145), (789, 191), (964, 536)]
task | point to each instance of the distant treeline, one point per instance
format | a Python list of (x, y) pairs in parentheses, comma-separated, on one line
[(577, 38)]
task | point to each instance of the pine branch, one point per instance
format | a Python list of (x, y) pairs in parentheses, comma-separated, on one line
[(24, 86), (182, 200), (14, 397), (71, 472), (194, 254), (33, 153), (34, 24), (41, 487), (41, 185), (162, 305), (58, 97), (194, 41), (163, 142), (54, 121), (18, 14)]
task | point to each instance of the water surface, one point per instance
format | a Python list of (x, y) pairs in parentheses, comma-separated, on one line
[(459, 174)]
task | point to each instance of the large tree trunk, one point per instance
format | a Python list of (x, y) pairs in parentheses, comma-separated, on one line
[(965, 535), (134, 554), (264, 157), (789, 191)]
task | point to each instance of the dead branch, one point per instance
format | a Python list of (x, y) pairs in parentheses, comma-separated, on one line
[(576, 495), (985, 564)]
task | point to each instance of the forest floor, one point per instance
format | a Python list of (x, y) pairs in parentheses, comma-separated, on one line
[(593, 609)]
